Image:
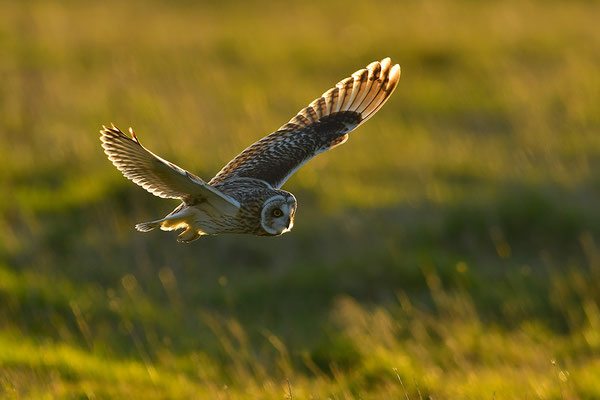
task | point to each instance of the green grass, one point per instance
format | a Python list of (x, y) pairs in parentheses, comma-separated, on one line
[(453, 242)]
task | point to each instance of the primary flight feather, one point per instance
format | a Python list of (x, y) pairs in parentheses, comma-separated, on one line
[(245, 196)]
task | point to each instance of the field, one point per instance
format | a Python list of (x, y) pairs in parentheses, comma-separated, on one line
[(449, 250)]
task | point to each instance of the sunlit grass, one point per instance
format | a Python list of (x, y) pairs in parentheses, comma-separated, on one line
[(450, 353)]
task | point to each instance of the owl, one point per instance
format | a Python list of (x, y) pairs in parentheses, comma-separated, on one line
[(245, 196)]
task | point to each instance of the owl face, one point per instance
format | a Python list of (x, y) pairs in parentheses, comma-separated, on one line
[(277, 215)]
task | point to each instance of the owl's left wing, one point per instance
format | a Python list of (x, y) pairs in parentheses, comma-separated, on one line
[(321, 126), (159, 176)]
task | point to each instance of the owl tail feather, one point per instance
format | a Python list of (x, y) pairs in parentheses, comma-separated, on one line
[(178, 219), (166, 224), (171, 222), (148, 226)]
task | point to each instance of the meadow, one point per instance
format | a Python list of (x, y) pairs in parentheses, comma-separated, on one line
[(449, 250)]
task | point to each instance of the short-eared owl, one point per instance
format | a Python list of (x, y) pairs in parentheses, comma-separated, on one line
[(244, 197)]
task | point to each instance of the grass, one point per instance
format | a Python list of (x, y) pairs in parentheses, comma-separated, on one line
[(453, 242)]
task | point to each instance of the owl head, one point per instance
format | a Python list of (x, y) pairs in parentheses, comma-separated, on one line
[(278, 211)]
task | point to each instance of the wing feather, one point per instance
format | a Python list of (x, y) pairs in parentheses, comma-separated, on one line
[(330, 97), (387, 87), (159, 176), (359, 90), (300, 120), (321, 126), (372, 88), (343, 89)]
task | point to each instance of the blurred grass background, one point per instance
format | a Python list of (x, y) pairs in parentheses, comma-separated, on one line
[(452, 242)]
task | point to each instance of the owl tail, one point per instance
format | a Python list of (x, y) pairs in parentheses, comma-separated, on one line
[(148, 226), (169, 223), (178, 219)]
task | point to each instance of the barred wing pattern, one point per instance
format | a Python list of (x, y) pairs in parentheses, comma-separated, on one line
[(321, 126), (158, 176)]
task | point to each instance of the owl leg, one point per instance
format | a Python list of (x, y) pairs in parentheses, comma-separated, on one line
[(188, 235)]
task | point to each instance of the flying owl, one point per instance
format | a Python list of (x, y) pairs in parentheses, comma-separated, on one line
[(245, 196)]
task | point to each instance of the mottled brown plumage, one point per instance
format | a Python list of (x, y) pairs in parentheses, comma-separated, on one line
[(244, 197)]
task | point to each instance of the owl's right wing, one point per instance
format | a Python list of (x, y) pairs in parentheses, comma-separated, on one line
[(158, 176), (321, 126)]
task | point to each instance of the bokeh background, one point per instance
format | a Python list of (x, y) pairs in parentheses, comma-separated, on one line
[(449, 250)]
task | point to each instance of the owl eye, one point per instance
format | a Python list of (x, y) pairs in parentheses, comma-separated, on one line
[(277, 213)]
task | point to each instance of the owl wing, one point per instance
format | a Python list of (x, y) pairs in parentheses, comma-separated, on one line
[(321, 126), (158, 176)]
